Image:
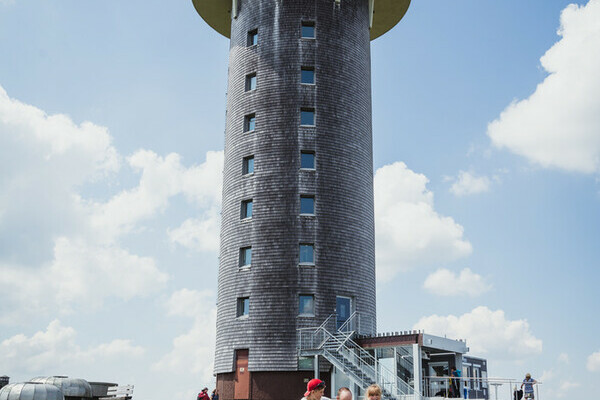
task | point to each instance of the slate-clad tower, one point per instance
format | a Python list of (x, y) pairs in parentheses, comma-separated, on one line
[(297, 233)]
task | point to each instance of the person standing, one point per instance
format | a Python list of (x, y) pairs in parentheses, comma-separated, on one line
[(373, 393), (214, 395), (455, 382), (314, 389), (528, 383), (203, 395), (343, 393)]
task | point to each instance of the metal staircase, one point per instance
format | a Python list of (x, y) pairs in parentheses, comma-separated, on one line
[(337, 346)]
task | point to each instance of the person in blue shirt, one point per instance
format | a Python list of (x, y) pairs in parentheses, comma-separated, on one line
[(528, 383)]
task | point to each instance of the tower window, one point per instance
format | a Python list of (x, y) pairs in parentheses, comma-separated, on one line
[(252, 37), (307, 116), (307, 254), (308, 30), (307, 205), (246, 209), (248, 165), (307, 305), (245, 257), (251, 81), (307, 160), (243, 306), (249, 122), (307, 75)]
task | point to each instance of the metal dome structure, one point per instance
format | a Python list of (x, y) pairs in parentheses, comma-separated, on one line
[(30, 391), (70, 387)]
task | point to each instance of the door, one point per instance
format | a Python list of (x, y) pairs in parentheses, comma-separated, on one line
[(241, 377), (343, 308)]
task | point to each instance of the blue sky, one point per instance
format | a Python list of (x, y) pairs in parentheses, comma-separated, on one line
[(487, 157)]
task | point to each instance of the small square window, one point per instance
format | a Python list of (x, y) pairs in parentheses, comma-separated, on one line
[(248, 165), (307, 160), (307, 75), (245, 257), (306, 363), (246, 209), (307, 116), (308, 30), (307, 305), (307, 254), (249, 122), (251, 81), (307, 205), (252, 37), (243, 306)]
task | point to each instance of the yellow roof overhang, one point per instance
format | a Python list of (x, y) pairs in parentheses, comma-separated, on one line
[(386, 14)]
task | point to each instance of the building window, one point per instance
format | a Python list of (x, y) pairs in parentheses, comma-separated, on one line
[(307, 254), (249, 122), (307, 75), (307, 160), (307, 205), (251, 81), (245, 257), (246, 209), (308, 30), (306, 363), (307, 305), (243, 306), (252, 37), (307, 116), (248, 165)]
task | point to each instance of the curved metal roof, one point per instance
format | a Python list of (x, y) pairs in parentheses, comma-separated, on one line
[(71, 387), (386, 14), (30, 391)]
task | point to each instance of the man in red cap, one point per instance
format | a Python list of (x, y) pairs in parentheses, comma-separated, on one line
[(314, 390)]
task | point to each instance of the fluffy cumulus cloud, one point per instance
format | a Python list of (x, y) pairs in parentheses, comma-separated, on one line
[(489, 333), (409, 232), (61, 249), (593, 362), (444, 282), (558, 126), (56, 348), (467, 183), (192, 352)]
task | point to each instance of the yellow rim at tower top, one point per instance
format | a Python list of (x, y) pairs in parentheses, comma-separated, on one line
[(386, 14)]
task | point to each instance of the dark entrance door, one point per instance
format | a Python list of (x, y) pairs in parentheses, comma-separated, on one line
[(343, 306), (241, 379)]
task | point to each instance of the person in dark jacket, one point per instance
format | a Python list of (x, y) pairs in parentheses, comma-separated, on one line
[(214, 395)]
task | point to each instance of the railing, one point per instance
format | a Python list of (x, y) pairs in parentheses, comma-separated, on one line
[(360, 365), (503, 388), (352, 324)]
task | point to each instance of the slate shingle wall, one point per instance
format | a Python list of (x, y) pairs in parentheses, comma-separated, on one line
[(342, 229)]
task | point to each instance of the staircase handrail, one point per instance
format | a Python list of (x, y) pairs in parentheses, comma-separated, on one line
[(350, 319)]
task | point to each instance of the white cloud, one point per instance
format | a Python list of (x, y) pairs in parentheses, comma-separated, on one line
[(198, 234), (468, 183), (56, 349), (558, 126), (489, 333), (409, 232), (565, 388), (563, 358), (60, 250), (444, 282), (593, 362), (193, 352)]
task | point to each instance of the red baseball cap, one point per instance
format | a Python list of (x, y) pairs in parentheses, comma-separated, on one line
[(314, 384)]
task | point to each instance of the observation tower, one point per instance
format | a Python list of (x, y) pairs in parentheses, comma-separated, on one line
[(297, 229)]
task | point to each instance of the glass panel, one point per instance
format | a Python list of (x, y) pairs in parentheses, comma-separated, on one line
[(307, 160), (308, 30), (307, 305), (248, 167), (246, 256), (251, 82), (250, 122), (307, 117), (307, 205), (252, 37), (342, 308), (306, 363), (307, 254), (307, 75), (247, 209)]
